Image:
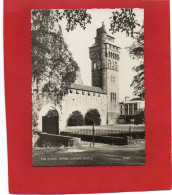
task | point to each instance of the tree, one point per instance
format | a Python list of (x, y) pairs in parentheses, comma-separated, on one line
[(139, 118), (92, 117), (75, 119), (51, 60), (136, 50), (124, 20), (52, 63), (51, 113), (34, 120)]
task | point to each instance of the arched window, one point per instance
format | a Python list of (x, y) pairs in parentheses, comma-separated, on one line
[(113, 97), (113, 65), (115, 56), (109, 54), (109, 64)]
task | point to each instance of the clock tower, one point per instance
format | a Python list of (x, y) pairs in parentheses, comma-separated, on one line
[(104, 55)]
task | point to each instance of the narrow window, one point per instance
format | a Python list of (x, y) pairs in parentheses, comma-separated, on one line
[(109, 54), (115, 97), (109, 64), (130, 109), (112, 65), (126, 108)]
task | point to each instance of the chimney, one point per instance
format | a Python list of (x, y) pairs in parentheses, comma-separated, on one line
[(127, 98)]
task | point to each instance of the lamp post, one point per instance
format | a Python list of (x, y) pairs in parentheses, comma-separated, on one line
[(93, 134)]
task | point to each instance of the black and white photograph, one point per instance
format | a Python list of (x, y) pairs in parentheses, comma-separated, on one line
[(88, 94)]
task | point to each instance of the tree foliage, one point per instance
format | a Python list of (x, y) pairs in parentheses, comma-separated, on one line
[(52, 113), (75, 119), (136, 50), (34, 119), (124, 20), (139, 117), (51, 60), (92, 117)]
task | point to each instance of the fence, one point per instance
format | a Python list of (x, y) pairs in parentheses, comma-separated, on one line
[(106, 135), (104, 131)]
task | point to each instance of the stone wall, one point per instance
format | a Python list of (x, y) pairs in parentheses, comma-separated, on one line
[(83, 101), (50, 140), (113, 96)]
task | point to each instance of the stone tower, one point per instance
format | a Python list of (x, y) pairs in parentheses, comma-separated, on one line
[(104, 55)]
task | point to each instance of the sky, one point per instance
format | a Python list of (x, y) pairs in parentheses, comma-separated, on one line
[(80, 40)]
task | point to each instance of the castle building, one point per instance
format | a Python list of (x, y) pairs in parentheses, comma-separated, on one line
[(129, 108), (104, 92)]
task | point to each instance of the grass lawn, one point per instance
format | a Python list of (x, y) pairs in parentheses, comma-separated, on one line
[(100, 155)]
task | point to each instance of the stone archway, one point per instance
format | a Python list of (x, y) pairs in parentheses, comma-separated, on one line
[(44, 111)]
